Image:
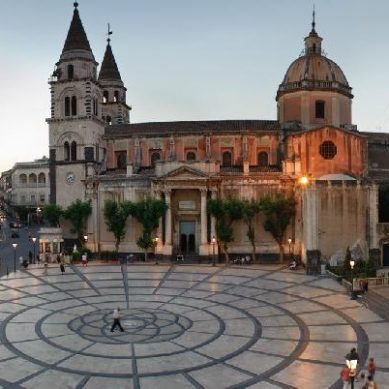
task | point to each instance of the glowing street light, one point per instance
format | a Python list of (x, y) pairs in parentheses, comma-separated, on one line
[(213, 241), (14, 245)]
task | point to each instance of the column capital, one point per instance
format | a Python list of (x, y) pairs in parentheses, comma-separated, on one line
[(203, 190)]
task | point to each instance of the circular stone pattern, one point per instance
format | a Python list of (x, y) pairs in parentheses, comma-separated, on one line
[(184, 327), (141, 326)]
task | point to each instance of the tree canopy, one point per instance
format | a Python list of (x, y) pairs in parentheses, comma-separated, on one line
[(77, 213), (278, 212), (52, 214), (116, 215), (148, 212)]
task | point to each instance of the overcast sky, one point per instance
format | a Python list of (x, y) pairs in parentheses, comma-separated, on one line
[(188, 59)]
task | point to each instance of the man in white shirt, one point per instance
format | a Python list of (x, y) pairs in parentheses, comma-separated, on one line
[(116, 320)]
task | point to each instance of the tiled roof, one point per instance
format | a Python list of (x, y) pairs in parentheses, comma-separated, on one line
[(191, 127), (109, 70), (76, 38)]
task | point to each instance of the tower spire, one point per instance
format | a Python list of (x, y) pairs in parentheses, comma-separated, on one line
[(76, 39), (313, 19), (109, 69)]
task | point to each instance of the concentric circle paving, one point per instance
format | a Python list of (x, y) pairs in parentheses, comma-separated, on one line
[(184, 327)]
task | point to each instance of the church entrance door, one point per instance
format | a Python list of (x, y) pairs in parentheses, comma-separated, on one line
[(188, 237), (385, 254)]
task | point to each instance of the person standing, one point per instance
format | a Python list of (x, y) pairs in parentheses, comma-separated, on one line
[(62, 267), (116, 320), (345, 377), (371, 367)]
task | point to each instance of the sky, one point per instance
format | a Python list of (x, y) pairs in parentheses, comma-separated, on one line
[(188, 59)]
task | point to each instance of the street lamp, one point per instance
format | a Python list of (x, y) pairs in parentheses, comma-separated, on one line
[(38, 215), (351, 362), (34, 241), (213, 241), (304, 180), (352, 263), (155, 241), (289, 243), (14, 245)]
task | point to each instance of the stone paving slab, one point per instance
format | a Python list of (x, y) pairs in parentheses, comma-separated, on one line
[(185, 326)]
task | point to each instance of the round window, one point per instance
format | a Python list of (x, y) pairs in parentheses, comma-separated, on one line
[(327, 150)]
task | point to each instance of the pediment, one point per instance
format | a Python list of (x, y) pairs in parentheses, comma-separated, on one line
[(184, 172)]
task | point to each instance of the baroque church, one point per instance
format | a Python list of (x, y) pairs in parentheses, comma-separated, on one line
[(312, 152)]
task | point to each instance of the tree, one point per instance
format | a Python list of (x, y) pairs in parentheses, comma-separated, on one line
[(116, 215), (226, 212), (278, 211), (52, 214), (148, 212), (250, 210), (77, 213)]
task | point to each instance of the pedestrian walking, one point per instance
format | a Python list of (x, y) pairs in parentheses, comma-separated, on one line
[(62, 267), (370, 384), (371, 367), (116, 320), (30, 255), (345, 377), (84, 259)]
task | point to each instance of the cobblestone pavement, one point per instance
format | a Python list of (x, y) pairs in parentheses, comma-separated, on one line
[(185, 327)]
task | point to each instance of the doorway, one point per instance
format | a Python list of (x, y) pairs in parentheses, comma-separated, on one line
[(188, 237), (385, 254)]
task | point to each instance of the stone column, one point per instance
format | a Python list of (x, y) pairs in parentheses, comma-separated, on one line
[(310, 220), (204, 249), (167, 248), (213, 220), (203, 216)]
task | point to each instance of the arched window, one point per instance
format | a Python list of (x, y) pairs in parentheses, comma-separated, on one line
[(67, 106), (121, 160), (74, 105), (70, 72), (105, 97), (191, 156), (156, 156), (73, 151), (227, 159), (41, 178), (23, 179), (32, 178), (319, 109), (66, 151), (263, 159), (116, 96)]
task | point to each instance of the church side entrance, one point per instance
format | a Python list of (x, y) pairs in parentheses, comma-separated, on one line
[(187, 237)]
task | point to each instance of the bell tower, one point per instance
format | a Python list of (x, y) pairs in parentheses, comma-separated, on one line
[(75, 125), (114, 107)]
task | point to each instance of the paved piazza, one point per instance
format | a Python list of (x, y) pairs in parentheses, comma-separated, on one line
[(185, 327)]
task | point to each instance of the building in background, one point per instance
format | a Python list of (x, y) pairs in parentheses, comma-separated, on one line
[(313, 152)]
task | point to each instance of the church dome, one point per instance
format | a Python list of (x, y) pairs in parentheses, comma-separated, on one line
[(314, 71)]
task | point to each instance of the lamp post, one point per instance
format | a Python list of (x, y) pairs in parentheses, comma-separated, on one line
[(85, 239), (352, 263), (34, 241), (155, 242), (14, 245), (351, 363), (213, 241), (289, 243)]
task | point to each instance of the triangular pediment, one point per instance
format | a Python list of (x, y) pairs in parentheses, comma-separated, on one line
[(184, 172)]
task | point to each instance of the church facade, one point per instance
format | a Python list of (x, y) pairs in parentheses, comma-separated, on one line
[(312, 152)]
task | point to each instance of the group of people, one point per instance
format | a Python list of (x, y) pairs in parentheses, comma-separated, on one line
[(348, 374)]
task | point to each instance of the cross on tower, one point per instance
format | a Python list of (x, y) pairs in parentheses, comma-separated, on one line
[(109, 33)]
